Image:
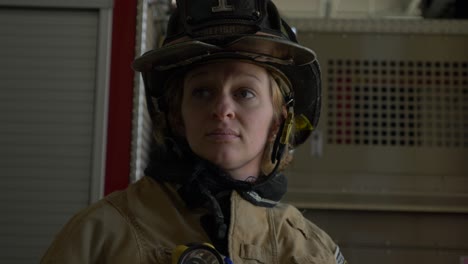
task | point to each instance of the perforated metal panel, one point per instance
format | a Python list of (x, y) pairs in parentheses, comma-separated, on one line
[(390, 154), (398, 103), (393, 130)]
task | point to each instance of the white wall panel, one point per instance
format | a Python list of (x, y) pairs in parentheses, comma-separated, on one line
[(48, 97)]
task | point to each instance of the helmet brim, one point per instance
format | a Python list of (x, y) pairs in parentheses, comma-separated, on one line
[(296, 62), (261, 48)]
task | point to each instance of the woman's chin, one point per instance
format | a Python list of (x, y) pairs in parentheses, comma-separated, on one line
[(225, 162), (238, 167)]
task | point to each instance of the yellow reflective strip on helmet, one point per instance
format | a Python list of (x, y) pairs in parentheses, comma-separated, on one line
[(302, 123)]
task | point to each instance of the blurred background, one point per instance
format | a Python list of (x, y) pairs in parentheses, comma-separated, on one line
[(385, 173)]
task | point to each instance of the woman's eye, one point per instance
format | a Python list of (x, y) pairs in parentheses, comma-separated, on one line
[(246, 94), (201, 92)]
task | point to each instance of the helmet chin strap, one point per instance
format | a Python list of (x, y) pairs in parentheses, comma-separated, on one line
[(285, 132)]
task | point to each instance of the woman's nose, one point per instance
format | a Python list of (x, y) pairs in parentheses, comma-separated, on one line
[(223, 107)]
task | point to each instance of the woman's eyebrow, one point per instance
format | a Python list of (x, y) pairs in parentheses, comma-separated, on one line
[(203, 72), (195, 74), (253, 76)]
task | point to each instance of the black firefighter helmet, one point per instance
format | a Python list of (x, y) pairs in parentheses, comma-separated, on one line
[(203, 30)]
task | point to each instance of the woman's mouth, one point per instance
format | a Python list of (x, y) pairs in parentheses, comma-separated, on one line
[(224, 134)]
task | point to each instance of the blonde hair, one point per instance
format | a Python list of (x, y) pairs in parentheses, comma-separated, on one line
[(170, 124)]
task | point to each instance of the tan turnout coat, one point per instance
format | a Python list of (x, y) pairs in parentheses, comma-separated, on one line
[(143, 223)]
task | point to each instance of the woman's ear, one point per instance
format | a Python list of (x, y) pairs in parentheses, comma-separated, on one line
[(274, 131), (180, 128), (176, 124), (276, 125)]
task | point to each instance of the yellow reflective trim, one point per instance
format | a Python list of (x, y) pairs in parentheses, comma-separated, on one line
[(302, 123), (177, 252)]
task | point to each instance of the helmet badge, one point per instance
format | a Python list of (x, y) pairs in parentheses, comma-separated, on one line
[(222, 7)]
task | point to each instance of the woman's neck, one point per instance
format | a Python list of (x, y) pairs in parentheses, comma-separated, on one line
[(244, 174)]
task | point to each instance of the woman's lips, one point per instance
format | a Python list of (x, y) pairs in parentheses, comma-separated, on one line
[(222, 134)]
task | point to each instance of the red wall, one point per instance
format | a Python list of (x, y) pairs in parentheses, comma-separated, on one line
[(120, 96)]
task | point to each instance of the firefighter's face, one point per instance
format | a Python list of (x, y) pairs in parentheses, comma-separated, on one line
[(227, 114)]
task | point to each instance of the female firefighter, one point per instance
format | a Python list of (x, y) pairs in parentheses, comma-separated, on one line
[(231, 93)]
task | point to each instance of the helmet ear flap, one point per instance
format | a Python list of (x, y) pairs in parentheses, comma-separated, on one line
[(150, 104), (318, 98), (308, 120), (154, 104)]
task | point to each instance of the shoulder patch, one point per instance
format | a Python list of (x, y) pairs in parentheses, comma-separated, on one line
[(339, 257)]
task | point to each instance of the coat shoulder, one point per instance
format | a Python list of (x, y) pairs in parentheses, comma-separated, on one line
[(303, 238), (91, 235)]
